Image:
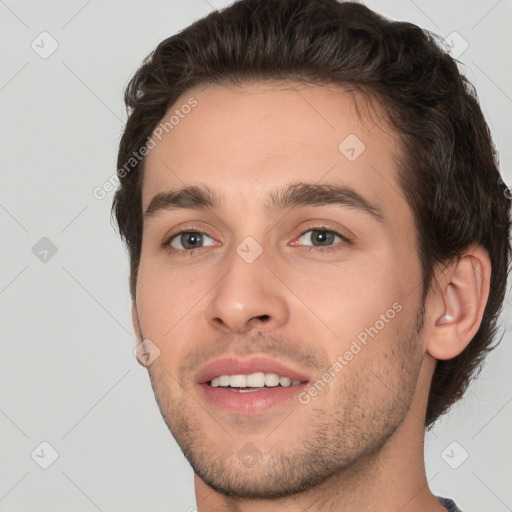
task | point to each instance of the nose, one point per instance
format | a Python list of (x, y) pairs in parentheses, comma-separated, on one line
[(249, 296)]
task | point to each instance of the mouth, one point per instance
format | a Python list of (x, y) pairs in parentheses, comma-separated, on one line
[(249, 386), (253, 382)]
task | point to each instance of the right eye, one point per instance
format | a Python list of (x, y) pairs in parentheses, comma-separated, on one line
[(187, 241)]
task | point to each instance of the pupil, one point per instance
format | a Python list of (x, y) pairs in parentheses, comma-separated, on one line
[(191, 240), (323, 236)]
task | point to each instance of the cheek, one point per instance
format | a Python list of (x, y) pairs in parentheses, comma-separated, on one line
[(166, 303), (349, 300)]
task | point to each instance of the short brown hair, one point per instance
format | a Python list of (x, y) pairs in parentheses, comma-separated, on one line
[(448, 165)]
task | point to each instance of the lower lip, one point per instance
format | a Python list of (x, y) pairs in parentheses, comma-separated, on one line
[(251, 402)]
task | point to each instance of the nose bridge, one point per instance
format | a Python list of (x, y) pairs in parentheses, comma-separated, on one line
[(248, 293)]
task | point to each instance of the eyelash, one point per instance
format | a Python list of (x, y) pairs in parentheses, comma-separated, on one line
[(318, 249)]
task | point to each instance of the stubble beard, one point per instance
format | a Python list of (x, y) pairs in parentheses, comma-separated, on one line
[(371, 404)]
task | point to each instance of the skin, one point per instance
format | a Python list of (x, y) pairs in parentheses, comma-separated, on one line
[(359, 444)]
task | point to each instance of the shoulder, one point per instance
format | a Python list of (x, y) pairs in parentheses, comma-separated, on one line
[(449, 504)]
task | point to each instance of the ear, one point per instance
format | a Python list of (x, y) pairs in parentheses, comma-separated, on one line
[(457, 306)]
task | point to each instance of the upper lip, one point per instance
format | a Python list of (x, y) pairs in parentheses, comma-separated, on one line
[(245, 366)]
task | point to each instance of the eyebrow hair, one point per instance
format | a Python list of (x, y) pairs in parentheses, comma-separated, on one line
[(295, 195)]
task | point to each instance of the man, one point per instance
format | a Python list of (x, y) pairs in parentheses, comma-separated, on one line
[(318, 238)]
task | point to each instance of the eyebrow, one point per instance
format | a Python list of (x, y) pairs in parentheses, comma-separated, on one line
[(295, 195)]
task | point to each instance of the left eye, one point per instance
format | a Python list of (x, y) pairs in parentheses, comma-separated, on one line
[(319, 238), (322, 239)]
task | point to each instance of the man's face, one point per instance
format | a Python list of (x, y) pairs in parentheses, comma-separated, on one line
[(298, 277)]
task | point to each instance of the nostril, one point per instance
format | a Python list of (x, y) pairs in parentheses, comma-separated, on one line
[(263, 318)]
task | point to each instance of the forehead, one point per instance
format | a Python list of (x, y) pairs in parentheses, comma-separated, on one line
[(244, 139)]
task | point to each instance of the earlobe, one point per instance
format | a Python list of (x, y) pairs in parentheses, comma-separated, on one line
[(459, 305)]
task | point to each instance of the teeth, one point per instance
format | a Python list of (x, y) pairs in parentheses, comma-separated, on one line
[(271, 380), (223, 380), (285, 381), (238, 381), (254, 380)]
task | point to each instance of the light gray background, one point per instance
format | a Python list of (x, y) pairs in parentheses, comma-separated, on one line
[(68, 374)]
